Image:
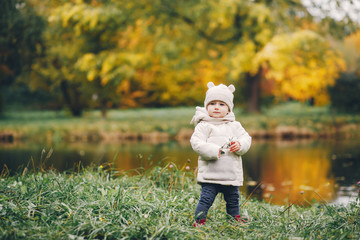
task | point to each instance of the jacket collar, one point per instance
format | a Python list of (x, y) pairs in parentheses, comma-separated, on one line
[(201, 114)]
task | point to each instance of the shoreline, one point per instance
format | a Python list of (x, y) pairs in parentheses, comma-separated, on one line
[(283, 133)]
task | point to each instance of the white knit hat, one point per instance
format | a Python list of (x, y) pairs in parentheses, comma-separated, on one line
[(220, 93)]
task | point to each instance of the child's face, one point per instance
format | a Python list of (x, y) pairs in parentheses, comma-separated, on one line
[(217, 109)]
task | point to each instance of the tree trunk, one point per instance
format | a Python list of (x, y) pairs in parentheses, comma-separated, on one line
[(253, 92), (1, 103), (73, 103), (103, 109), (103, 97)]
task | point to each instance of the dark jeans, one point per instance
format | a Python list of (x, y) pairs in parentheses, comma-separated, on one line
[(207, 197)]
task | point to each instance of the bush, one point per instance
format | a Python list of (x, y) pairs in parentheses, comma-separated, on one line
[(344, 95)]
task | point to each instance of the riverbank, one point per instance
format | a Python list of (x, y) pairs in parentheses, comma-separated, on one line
[(288, 121), (96, 203)]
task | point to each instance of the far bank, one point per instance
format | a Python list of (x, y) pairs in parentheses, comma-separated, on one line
[(285, 122)]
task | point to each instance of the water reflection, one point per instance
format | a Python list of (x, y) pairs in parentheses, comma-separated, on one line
[(278, 172), (303, 172), (296, 172), (124, 157)]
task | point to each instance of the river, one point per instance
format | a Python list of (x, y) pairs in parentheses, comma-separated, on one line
[(278, 172)]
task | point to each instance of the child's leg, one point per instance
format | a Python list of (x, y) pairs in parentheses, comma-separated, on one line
[(207, 197), (231, 196)]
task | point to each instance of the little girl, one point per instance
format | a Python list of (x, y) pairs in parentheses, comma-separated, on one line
[(220, 141)]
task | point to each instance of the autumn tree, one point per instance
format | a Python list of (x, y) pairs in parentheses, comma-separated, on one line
[(302, 65), (119, 54), (74, 29), (161, 52), (243, 29), (152, 64)]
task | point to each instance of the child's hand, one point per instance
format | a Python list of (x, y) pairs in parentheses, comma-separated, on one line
[(235, 146)]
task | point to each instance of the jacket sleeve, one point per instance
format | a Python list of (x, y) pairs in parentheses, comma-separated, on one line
[(243, 137), (207, 151)]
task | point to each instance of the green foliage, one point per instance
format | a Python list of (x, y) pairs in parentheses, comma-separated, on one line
[(20, 97), (345, 93), (20, 38), (94, 203)]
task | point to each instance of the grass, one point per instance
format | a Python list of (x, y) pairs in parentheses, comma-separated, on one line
[(58, 125), (99, 203)]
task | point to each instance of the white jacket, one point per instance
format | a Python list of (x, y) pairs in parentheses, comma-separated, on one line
[(209, 136)]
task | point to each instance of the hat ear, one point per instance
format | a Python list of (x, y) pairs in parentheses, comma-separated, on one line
[(231, 88), (210, 85)]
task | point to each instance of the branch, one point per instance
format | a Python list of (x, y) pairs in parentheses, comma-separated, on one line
[(237, 23)]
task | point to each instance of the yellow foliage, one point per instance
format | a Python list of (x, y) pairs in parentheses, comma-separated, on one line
[(94, 18), (221, 14), (91, 75), (108, 64), (259, 12), (83, 17), (242, 59), (157, 58), (264, 36), (86, 62), (354, 41), (207, 71), (303, 65), (351, 49), (68, 11), (123, 87)]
